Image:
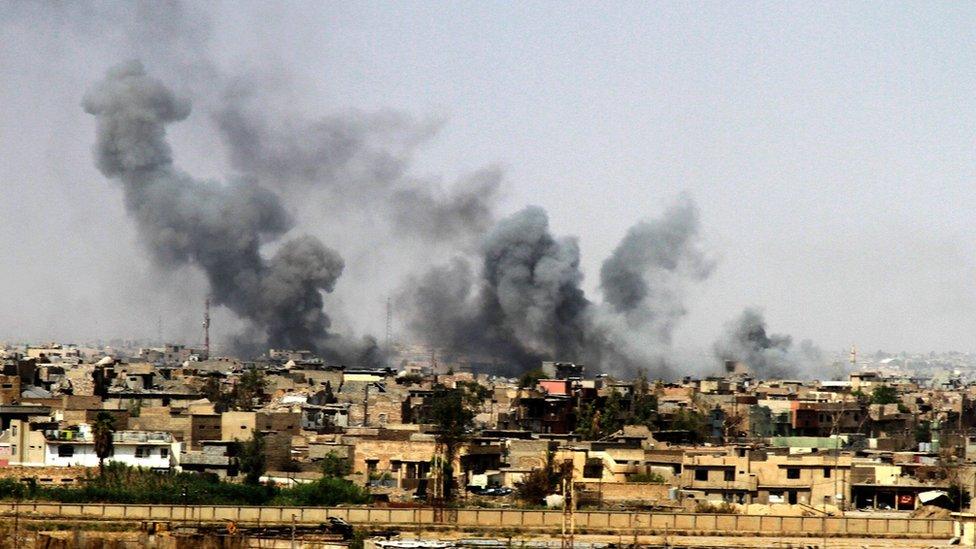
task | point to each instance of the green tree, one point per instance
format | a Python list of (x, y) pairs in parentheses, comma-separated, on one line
[(102, 432), (531, 378), (250, 386), (251, 458), (612, 415), (884, 394), (643, 407), (588, 422), (335, 466), (544, 481), (213, 391), (452, 412), (693, 421)]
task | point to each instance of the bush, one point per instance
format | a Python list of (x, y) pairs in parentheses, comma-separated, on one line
[(723, 508), (646, 477), (334, 465), (128, 485), (325, 492)]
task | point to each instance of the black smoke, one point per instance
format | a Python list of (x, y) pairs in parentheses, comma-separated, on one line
[(523, 304), (220, 228), (521, 301)]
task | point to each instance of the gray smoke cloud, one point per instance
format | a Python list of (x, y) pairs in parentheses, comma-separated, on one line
[(358, 161), (532, 285), (526, 304), (644, 278), (523, 305), (220, 228), (768, 356)]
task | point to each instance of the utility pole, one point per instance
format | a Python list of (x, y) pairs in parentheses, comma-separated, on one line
[(206, 327), (389, 322)]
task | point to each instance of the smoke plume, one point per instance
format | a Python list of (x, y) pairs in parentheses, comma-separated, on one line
[(359, 162), (644, 277), (526, 304), (768, 356), (220, 228)]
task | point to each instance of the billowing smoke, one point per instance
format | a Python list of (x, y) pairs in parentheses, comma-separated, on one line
[(220, 228), (768, 356), (644, 277), (526, 303), (359, 162), (532, 285)]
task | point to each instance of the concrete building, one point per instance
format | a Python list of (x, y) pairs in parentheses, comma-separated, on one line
[(76, 448)]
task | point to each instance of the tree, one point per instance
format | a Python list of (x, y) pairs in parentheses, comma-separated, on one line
[(102, 432), (531, 378), (884, 394), (545, 480), (335, 466), (643, 407), (251, 458), (250, 386), (213, 391), (693, 421), (453, 411)]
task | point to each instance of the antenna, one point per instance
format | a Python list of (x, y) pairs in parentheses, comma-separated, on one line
[(389, 322), (206, 327)]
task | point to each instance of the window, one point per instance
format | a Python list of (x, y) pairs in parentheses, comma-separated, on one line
[(793, 473), (143, 451), (729, 475), (593, 469), (164, 453), (66, 450), (701, 474), (826, 472)]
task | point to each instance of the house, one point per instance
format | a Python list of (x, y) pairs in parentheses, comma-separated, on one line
[(76, 448)]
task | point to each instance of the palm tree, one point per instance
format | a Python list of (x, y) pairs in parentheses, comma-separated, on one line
[(102, 431)]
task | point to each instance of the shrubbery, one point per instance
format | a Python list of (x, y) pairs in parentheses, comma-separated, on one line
[(324, 492), (122, 484)]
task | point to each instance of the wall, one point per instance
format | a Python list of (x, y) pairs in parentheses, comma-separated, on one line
[(644, 523)]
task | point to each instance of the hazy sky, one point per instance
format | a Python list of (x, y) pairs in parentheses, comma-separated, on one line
[(829, 147)]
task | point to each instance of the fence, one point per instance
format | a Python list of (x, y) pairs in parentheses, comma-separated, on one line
[(501, 518)]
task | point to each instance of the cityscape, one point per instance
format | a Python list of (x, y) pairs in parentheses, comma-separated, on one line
[(376, 275)]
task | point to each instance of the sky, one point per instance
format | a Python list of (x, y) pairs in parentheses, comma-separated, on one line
[(828, 146)]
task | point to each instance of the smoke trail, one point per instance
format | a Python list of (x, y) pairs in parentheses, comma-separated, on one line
[(644, 277), (768, 356), (219, 228)]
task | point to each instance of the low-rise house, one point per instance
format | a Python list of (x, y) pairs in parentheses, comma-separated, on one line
[(76, 448)]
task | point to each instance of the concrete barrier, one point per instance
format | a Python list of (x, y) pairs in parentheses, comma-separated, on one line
[(505, 518)]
